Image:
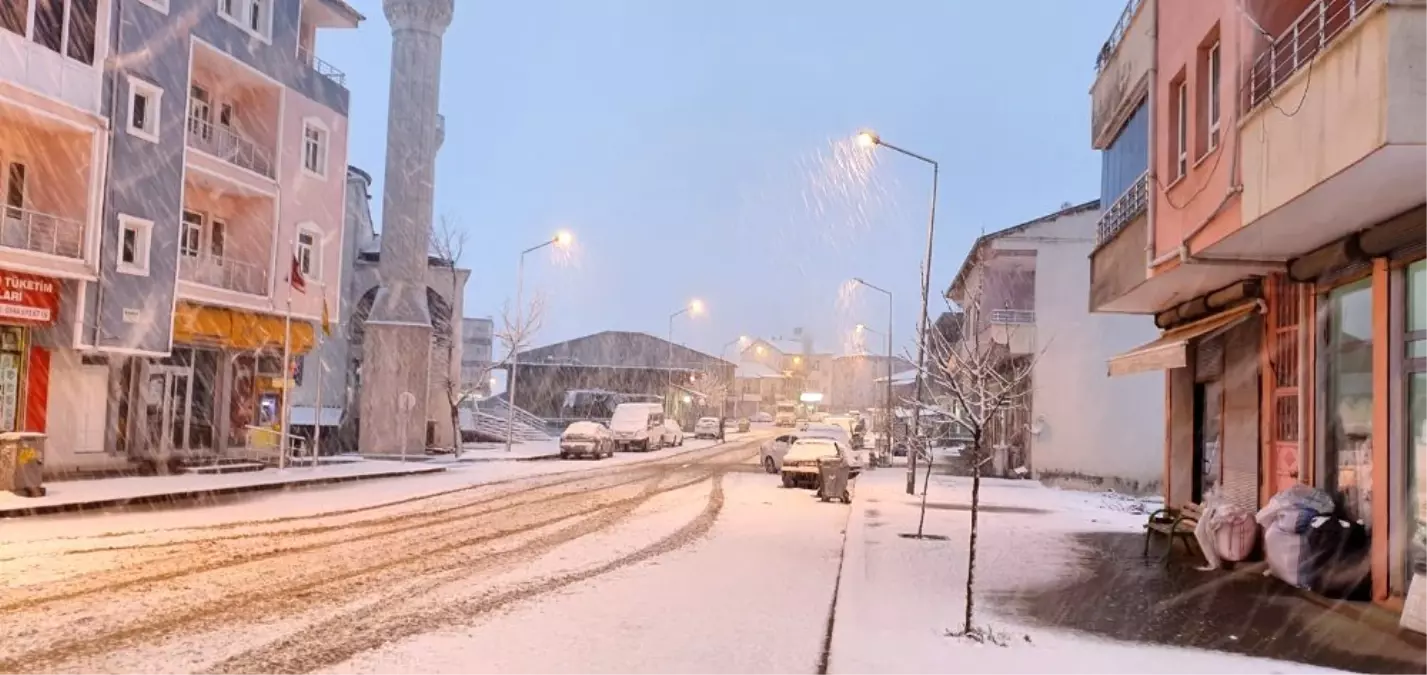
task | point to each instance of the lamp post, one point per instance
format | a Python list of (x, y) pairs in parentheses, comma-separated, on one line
[(561, 239), (911, 467), (728, 387), (870, 139), (694, 308)]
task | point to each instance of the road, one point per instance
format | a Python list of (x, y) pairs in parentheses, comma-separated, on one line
[(361, 589)]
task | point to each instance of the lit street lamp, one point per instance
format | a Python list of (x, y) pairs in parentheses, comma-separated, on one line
[(561, 239), (694, 308), (887, 423), (869, 139)]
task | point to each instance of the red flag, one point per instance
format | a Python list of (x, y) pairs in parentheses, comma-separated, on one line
[(298, 283)]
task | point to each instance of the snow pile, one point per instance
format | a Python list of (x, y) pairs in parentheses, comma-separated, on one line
[(1111, 500)]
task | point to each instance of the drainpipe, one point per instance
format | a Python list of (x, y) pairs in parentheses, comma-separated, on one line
[(1151, 175)]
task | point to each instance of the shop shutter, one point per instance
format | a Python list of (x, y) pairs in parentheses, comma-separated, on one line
[(1239, 347), (1209, 359)]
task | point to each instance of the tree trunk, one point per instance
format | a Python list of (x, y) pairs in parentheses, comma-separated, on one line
[(926, 482), (456, 443), (971, 545)]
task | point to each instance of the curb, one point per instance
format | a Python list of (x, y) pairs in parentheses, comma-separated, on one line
[(73, 507)]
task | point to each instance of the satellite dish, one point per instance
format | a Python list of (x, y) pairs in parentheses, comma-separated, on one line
[(406, 402)]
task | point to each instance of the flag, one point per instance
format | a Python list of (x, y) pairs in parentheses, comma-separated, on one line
[(326, 319), (298, 283)]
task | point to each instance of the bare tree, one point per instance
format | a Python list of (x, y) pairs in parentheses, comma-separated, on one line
[(448, 243), (711, 384), (979, 377), (518, 327)]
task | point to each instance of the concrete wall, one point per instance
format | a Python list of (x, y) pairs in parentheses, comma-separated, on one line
[(1096, 432), (311, 201), (1124, 79), (1118, 266)]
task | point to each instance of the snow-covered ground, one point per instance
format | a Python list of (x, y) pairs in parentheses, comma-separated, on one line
[(899, 597)]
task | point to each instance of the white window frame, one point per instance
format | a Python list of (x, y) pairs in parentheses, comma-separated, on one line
[(242, 17), (1215, 99), (313, 271), (143, 238), (155, 94), (1181, 166), (324, 146), (185, 226), (160, 5)]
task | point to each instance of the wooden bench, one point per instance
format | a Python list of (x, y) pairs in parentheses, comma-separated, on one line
[(1173, 524)]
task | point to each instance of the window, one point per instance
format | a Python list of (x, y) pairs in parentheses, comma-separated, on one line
[(144, 99), (217, 232), (82, 17), (190, 239), (228, 8), (314, 148), (1181, 129), (225, 115), (1414, 500), (14, 14), (15, 185), (253, 16), (1346, 355), (307, 254), (49, 24), (199, 112), (134, 234), (62, 26), (1214, 96)]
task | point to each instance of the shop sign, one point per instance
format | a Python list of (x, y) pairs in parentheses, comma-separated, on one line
[(27, 298)]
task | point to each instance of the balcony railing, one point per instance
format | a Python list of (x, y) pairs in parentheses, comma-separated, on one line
[(41, 232), (1116, 35), (221, 272), (228, 145), (1317, 26), (1013, 316), (1125, 209), (323, 68)]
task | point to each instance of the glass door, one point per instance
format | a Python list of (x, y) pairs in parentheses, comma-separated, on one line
[(167, 399)]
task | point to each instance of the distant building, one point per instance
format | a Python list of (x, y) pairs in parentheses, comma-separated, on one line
[(476, 355)]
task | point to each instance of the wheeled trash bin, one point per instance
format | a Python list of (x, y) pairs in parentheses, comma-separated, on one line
[(834, 479), (22, 463)]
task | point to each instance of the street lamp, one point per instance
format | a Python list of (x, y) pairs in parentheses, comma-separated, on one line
[(561, 239), (887, 423), (694, 308), (869, 139)]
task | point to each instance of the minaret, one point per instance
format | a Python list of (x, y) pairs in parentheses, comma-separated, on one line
[(396, 350)]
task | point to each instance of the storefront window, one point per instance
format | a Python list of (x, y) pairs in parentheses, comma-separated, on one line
[(1415, 371), (1347, 356), (12, 365)]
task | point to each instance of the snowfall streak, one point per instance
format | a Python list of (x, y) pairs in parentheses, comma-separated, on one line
[(116, 607)]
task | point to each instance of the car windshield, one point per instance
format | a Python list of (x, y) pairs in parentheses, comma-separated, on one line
[(708, 420), (631, 414), (583, 429)]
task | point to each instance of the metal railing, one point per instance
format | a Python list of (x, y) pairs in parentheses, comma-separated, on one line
[(1013, 316), (1126, 208), (221, 272), (323, 68), (229, 145), (1116, 35), (41, 232), (1304, 39)]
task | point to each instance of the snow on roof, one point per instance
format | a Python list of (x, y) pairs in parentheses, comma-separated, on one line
[(754, 370), (904, 377)]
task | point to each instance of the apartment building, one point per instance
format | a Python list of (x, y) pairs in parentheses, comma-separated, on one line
[(1022, 290), (477, 354), (1276, 235), (193, 155)]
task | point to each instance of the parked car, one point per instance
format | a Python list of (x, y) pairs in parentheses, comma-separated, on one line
[(800, 463), (743, 424), (855, 456), (763, 418), (586, 439), (770, 454), (637, 426), (673, 434), (706, 427)]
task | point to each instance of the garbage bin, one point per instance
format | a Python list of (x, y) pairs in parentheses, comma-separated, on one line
[(834, 479), (22, 462)]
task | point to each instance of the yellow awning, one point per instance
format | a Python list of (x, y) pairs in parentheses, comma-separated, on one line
[(1171, 350), (237, 329)]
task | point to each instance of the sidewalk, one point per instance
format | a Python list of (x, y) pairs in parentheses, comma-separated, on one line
[(528, 451), (80, 495), (898, 597)]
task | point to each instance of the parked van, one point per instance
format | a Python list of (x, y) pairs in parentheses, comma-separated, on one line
[(637, 426)]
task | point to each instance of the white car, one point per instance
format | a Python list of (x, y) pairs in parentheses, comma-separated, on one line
[(706, 427), (771, 453), (673, 434), (800, 463), (586, 439), (637, 426), (763, 418)]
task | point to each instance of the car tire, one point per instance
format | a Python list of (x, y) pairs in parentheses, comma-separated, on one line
[(769, 465), (564, 455), (788, 481)]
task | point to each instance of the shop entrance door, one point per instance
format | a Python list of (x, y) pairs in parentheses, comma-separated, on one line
[(168, 395)]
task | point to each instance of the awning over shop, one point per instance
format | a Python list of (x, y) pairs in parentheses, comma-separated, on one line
[(237, 329), (1171, 350)]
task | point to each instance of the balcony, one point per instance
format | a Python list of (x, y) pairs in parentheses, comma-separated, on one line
[(322, 68), (41, 233), (1013, 317), (1126, 208), (1122, 67), (230, 146), (223, 272), (1333, 141)]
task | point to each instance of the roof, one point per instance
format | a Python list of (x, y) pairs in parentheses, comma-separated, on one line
[(904, 377), (620, 349), (754, 370), (983, 240)]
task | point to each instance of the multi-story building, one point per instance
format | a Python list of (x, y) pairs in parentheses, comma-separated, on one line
[(1276, 235), (1022, 292), (477, 354), (192, 169), (799, 366)]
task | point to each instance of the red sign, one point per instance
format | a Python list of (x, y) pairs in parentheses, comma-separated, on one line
[(28, 299)]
